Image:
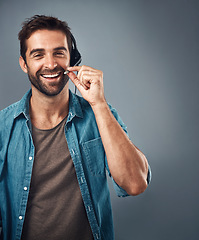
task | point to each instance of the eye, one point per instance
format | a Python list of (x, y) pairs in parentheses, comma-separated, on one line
[(60, 54), (38, 55)]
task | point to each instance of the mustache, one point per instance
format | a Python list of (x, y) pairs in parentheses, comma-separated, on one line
[(50, 71)]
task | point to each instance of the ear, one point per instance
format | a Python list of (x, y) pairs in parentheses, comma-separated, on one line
[(23, 64)]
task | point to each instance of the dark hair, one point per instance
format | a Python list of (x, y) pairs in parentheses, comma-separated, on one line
[(38, 22)]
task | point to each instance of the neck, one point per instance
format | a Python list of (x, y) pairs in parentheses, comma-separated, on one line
[(46, 112)]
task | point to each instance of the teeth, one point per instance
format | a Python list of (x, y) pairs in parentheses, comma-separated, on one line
[(51, 75)]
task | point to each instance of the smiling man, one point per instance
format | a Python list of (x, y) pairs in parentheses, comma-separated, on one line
[(55, 146), (46, 58)]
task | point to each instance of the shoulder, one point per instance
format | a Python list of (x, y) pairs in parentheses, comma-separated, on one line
[(6, 122), (8, 112)]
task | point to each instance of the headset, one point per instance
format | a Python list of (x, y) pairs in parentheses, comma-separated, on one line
[(75, 56)]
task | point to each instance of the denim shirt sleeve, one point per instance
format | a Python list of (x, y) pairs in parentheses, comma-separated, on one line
[(0, 226), (120, 191)]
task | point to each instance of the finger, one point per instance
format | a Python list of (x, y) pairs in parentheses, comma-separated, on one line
[(86, 80), (75, 68), (81, 77), (88, 75), (83, 67), (88, 72), (76, 81)]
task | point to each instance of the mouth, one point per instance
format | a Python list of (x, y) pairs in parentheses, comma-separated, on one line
[(51, 77)]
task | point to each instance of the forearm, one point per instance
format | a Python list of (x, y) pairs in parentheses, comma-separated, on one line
[(127, 164)]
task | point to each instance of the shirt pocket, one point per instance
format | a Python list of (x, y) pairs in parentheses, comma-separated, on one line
[(94, 156)]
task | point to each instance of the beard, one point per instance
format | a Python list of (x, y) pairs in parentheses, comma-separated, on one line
[(51, 88)]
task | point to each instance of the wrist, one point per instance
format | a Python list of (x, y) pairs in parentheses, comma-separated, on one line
[(99, 107)]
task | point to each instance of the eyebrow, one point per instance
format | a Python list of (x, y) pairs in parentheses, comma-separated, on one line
[(60, 48), (42, 50), (36, 50)]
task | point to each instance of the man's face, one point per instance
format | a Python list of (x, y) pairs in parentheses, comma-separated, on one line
[(47, 57)]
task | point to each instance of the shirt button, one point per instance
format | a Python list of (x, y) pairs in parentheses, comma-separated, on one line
[(73, 152), (97, 236), (20, 217), (30, 158), (82, 180), (89, 208), (25, 188)]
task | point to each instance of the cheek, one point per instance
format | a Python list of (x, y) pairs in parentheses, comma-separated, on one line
[(33, 67), (34, 71), (64, 63)]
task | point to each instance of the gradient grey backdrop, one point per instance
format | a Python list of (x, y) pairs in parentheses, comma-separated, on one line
[(149, 53)]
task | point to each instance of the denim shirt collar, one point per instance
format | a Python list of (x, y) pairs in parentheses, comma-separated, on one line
[(23, 106), (74, 106)]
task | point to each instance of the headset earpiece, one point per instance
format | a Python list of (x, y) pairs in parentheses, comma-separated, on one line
[(75, 56)]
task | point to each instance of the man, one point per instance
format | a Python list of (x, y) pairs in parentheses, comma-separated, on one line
[(55, 146)]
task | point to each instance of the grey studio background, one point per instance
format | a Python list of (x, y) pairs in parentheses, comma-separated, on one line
[(149, 53)]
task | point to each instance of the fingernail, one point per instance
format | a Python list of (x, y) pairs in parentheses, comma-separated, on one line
[(66, 72)]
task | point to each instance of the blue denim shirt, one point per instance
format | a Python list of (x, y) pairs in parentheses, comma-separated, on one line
[(87, 152)]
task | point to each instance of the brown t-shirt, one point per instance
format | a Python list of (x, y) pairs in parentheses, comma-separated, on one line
[(55, 209)]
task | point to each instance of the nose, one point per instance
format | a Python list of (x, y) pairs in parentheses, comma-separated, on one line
[(50, 62)]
